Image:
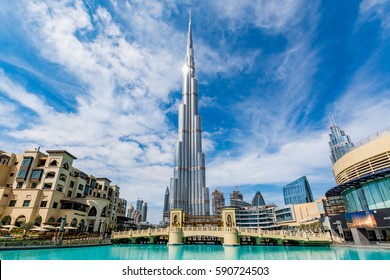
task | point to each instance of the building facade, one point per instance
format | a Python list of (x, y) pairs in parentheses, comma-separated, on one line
[(144, 211), (166, 206), (258, 199), (217, 202), (340, 143), (44, 188), (188, 189), (298, 192), (363, 186)]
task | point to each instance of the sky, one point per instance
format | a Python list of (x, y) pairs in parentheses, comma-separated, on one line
[(102, 80)]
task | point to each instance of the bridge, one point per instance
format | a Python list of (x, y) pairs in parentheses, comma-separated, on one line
[(225, 232)]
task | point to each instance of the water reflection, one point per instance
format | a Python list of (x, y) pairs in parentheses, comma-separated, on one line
[(197, 252)]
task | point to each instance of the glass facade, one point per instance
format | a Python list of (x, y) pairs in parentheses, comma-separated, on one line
[(368, 196), (298, 192), (340, 143)]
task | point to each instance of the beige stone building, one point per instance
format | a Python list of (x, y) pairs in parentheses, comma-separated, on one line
[(43, 188)]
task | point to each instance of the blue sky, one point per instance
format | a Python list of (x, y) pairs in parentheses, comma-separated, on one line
[(102, 79)]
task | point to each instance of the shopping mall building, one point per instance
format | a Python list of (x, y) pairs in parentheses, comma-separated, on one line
[(359, 205)]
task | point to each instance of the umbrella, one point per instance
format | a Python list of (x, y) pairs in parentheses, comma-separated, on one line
[(10, 227), (49, 227), (39, 229)]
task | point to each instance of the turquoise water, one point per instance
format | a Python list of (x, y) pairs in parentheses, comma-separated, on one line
[(196, 252)]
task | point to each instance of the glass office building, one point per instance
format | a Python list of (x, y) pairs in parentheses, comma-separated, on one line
[(297, 192)]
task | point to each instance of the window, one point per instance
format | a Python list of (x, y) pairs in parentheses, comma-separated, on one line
[(53, 163), (26, 203), (59, 188), (34, 185), (12, 203), (36, 174), (65, 166), (105, 188), (69, 194), (81, 187), (27, 161), (22, 174), (78, 195), (50, 175), (43, 203), (19, 185), (47, 186), (71, 184), (12, 174), (63, 177), (55, 204), (5, 195), (41, 162)]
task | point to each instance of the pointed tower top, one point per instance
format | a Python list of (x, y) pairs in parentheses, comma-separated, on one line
[(189, 37), (331, 119)]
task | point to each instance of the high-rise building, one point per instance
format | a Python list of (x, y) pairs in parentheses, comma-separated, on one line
[(297, 192), (188, 184), (166, 205), (218, 201), (237, 200), (340, 143), (139, 204), (258, 199), (144, 211)]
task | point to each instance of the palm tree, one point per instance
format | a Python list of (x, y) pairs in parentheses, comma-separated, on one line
[(26, 227)]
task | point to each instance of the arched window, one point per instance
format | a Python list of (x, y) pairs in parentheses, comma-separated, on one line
[(62, 177), (6, 220), (92, 212), (51, 220), (21, 220), (53, 163), (65, 166), (74, 223), (50, 175)]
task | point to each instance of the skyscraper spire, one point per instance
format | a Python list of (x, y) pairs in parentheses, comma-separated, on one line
[(340, 143), (188, 186)]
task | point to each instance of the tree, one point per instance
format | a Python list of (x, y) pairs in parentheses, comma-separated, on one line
[(26, 227)]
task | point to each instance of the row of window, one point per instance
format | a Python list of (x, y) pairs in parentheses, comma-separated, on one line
[(26, 203)]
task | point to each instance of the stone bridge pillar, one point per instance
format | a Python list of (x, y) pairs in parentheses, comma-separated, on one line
[(229, 226), (175, 227)]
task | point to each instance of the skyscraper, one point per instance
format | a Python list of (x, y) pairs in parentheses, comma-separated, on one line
[(139, 204), (217, 201), (258, 199), (144, 211), (340, 143), (166, 205), (297, 192), (188, 184)]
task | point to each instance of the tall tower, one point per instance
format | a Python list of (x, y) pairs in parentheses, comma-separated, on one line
[(188, 184), (298, 192), (144, 211), (340, 143), (166, 206), (258, 199), (217, 201)]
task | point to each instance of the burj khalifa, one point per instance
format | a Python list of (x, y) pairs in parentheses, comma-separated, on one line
[(188, 189)]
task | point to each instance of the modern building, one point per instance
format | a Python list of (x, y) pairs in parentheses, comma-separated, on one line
[(139, 204), (296, 215), (298, 192), (44, 188), (256, 217), (237, 200), (258, 199), (217, 202), (144, 211), (363, 186), (188, 189), (166, 206), (340, 143)]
